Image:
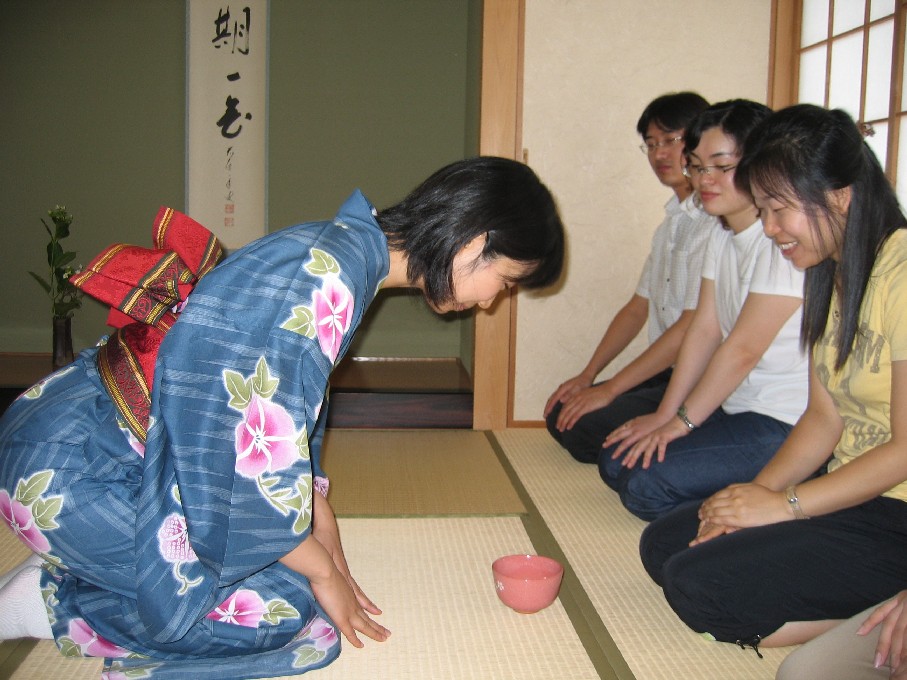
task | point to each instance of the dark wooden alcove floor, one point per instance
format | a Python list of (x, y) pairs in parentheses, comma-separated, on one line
[(400, 393), (365, 392)]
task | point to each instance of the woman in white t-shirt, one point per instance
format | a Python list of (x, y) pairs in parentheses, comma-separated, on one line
[(740, 381)]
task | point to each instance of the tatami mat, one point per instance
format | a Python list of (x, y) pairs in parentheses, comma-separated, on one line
[(432, 577), (12, 551), (431, 574), (44, 662), (416, 473), (600, 540)]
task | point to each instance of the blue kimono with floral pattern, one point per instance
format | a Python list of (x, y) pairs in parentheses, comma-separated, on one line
[(162, 556)]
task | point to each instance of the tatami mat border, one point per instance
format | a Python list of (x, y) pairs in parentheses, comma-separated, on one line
[(599, 539), (595, 637)]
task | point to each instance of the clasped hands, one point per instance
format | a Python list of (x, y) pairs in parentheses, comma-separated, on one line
[(739, 506)]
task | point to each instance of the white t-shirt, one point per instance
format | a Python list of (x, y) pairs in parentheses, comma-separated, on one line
[(672, 273), (749, 262)]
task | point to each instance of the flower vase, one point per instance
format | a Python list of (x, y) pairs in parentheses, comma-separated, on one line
[(62, 341)]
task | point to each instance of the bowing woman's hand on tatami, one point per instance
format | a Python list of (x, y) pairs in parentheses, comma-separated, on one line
[(341, 604), (333, 591), (326, 531)]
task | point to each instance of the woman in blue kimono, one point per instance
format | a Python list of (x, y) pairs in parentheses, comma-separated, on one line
[(169, 480)]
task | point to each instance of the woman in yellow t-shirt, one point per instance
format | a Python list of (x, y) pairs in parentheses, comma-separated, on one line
[(740, 568)]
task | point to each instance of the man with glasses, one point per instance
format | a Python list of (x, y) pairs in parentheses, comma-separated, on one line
[(580, 414)]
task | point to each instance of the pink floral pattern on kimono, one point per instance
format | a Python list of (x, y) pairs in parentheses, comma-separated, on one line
[(242, 608), (20, 520), (247, 341), (173, 540), (323, 634), (92, 644), (265, 439), (333, 309), (134, 442)]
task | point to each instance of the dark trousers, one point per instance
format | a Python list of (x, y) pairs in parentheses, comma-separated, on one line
[(725, 449), (752, 581), (584, 440)]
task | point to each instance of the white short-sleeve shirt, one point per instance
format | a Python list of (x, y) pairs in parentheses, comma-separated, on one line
[(745, 263), (672, 273)]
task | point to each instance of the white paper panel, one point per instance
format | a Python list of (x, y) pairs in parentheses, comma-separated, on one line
[(878, 70), (812, 76), (848, 14), (846, 74), (815, 22), (880, 8)]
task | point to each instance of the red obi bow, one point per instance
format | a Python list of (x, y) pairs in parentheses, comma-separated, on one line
[(145, 288)]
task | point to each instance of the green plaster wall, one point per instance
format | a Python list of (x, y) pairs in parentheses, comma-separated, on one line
[(362, 94)]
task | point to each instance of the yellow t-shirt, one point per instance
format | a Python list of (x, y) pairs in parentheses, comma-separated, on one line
[(862, 388)]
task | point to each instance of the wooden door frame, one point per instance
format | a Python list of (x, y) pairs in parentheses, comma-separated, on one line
[(783, 65), (500, 134)]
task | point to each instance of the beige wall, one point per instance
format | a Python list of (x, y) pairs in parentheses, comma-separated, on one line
[(591, 66)]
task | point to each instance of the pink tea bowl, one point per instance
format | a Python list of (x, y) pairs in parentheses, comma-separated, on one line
[(527, 583)]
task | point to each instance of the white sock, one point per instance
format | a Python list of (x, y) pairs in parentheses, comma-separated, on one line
[(21, 602), (33, 559)]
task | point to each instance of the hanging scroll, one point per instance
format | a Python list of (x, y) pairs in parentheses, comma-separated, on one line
[(227, 118)]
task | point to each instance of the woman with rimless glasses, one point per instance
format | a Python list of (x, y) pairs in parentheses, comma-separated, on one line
[(740, 381)]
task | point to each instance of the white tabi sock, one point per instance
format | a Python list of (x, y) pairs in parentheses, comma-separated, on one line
[(22, 610), (33, 559)]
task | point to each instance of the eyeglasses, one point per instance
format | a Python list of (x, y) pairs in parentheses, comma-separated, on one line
[(649, 147), (701, 170)]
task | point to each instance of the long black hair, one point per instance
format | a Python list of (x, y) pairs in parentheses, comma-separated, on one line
[(799, 156), (484, 195)]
